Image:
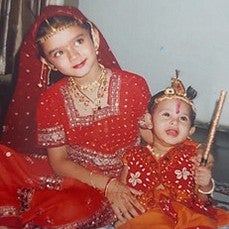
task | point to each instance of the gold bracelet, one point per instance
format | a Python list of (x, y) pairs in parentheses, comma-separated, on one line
[(210, 191), (107, 184), (91, 181)]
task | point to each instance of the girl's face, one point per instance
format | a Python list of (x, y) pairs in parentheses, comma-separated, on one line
[(171, 122), (71, 51)]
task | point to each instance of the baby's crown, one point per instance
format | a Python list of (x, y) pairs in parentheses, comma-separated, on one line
[(177, 90)]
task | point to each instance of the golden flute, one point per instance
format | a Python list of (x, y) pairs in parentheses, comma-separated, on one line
[(213, 126)]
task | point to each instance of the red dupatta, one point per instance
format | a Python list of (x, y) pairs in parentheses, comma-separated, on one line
[(19, 130)]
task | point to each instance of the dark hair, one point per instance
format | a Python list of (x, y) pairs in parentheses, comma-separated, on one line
[(191, 93), (58, 22)]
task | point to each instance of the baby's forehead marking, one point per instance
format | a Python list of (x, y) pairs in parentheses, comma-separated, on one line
[(178, 104)]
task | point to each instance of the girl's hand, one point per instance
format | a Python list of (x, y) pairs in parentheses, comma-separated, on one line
[(123, 200)]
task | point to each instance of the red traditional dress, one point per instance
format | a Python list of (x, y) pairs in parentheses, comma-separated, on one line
[(169, 190), (96, 142), (30, 194)]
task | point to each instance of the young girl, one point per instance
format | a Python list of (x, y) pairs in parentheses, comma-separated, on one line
[(167, 171), (86, 122)]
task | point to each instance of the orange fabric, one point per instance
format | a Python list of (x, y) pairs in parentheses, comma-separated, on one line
[(152, 219), (187, 219), (222, 216)]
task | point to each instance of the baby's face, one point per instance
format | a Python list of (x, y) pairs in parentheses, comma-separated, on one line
[(171, 121)]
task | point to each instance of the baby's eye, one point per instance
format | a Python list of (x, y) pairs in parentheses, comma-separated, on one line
[(165, 114), (184, 118)]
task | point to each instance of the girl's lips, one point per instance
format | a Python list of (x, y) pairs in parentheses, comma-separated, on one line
[(171, 132), (80, 65)]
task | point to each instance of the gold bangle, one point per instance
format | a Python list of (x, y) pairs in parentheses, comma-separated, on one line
[(107, 184), (91, 181)]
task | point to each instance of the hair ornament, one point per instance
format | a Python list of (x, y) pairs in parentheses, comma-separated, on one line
[(53, 30), (177, 90)]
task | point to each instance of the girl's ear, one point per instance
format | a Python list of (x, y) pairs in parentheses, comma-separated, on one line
[(51, 66), (95, 38), (192, 130)]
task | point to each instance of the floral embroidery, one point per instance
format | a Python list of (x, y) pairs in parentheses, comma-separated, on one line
[(134, 178), (184, 173)]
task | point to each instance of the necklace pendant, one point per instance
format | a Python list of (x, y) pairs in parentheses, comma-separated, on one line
[(84, 98)]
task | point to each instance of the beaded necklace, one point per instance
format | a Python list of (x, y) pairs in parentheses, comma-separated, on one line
[(79, 91), (152, 151)]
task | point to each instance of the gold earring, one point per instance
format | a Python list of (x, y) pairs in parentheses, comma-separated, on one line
[(44, 76)]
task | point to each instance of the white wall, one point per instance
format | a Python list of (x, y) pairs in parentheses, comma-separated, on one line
[(155, 37)]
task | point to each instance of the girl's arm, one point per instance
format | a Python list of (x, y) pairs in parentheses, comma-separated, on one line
[(121, 197)]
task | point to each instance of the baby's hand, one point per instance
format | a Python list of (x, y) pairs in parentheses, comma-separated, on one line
[(203, 176), (200, 152)]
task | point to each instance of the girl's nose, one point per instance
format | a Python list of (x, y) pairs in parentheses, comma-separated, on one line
[(72, 54)]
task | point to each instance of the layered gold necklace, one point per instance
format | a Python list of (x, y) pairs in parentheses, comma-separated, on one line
[(80, 91)]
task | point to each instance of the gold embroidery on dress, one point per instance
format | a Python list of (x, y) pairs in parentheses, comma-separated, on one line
[(50, 136), (99, 87), (76, 119)]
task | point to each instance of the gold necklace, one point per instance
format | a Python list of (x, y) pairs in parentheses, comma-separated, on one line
[(151, 149), (90, 87), (84, 98)]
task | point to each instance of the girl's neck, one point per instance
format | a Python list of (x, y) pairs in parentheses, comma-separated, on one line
[(93, 75)]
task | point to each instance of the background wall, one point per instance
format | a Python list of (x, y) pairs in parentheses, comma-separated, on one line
[(153, 38)]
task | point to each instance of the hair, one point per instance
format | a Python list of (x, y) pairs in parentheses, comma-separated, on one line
[(152, 104), (58, 23)]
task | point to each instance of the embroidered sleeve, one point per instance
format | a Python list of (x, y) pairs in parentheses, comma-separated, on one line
[(50, 121)]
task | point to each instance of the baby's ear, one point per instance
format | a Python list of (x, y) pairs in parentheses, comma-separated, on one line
[(192, 130), (148, 121)]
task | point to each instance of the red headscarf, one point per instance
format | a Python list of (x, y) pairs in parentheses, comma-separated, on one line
[(19, 131)]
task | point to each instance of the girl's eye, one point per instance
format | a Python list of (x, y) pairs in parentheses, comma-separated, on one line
[(58, 53), (79, 41)]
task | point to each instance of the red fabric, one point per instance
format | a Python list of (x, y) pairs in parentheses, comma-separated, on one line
[(169, 190), (19, 131)]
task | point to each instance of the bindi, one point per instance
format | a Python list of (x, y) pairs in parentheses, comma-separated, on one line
[(178, 107)]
